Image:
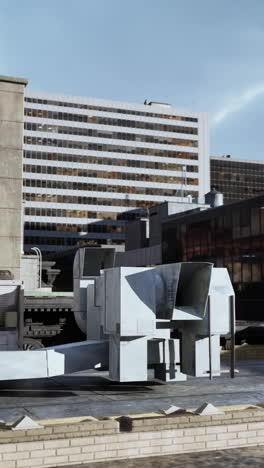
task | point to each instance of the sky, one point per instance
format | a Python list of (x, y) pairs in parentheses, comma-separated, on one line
[(201, 55)]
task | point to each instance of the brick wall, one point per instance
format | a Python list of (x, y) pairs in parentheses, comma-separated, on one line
[(136, 424), (245, 352), (102, 440)]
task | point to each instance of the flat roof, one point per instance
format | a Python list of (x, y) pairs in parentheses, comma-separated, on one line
[(224, 158), (201, 215), (91, 393), (154, 108)]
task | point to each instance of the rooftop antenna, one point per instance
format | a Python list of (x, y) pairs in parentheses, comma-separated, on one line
[(184, 182), (127, 199)]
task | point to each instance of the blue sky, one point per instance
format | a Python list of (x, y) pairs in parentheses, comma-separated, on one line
[(204, 55)]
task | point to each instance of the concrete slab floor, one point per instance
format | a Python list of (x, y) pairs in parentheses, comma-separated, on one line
[(235, 458), (92, 394)]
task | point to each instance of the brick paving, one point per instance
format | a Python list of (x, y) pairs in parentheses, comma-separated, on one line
[(236, 458)]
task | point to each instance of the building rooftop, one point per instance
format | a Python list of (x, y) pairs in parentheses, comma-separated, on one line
[(230, 158), (92, 393), (151, 107), (209, 213)]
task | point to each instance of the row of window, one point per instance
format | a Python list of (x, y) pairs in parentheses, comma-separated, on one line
[(67, 171), (60, 241), (238, 185), (107, 148), (88, 132), (227, 177), (43, 243), (243, 190), (236, 166), (97, 226), (58, 213), (35, 240), (84, 186), (127, 202), (53, 156), (242, 172), (238, 232), (49, 249), (107, 161), (44, 114), (48, 102)]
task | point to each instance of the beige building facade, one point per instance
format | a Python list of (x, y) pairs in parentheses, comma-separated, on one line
[(11, 156)]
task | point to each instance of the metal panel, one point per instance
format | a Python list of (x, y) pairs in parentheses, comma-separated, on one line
[(112, 301), (16, 365), (128, 359), (137, 302), (193, 290), (48, 362), (166, 285), (195, 355)]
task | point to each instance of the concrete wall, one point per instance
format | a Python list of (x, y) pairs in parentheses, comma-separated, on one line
[(11, 145), (136, 234), (140, 257), (159, 213)]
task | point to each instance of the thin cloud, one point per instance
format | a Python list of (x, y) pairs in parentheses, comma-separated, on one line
[(237, 104)]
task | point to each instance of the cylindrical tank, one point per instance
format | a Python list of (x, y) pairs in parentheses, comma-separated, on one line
[(214, 198)]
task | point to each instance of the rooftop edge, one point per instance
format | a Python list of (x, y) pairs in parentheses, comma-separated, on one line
[(15, 80)]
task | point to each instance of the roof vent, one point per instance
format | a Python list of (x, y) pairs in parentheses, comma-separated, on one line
[(154, 103)]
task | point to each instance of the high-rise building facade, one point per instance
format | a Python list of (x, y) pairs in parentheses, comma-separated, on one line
[(230, 236), (236, 178), (87, 160)]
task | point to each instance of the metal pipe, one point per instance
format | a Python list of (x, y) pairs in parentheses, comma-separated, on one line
[(21, 317), (22, 226), (210, 338), (39, 254), (232, 341)]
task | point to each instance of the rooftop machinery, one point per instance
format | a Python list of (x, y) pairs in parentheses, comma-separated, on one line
[(167, 318)]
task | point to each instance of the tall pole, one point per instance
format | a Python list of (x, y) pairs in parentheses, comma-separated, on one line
[(183, 185), (39, 254), (210, 338), (148, 221), (232, 327), (22, 226)]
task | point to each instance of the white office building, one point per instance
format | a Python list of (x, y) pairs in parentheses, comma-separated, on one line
[(88, 160)]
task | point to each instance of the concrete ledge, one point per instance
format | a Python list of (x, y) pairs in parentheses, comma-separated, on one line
[(60, 430), (12, 79), (160, 422), (93, 440)]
